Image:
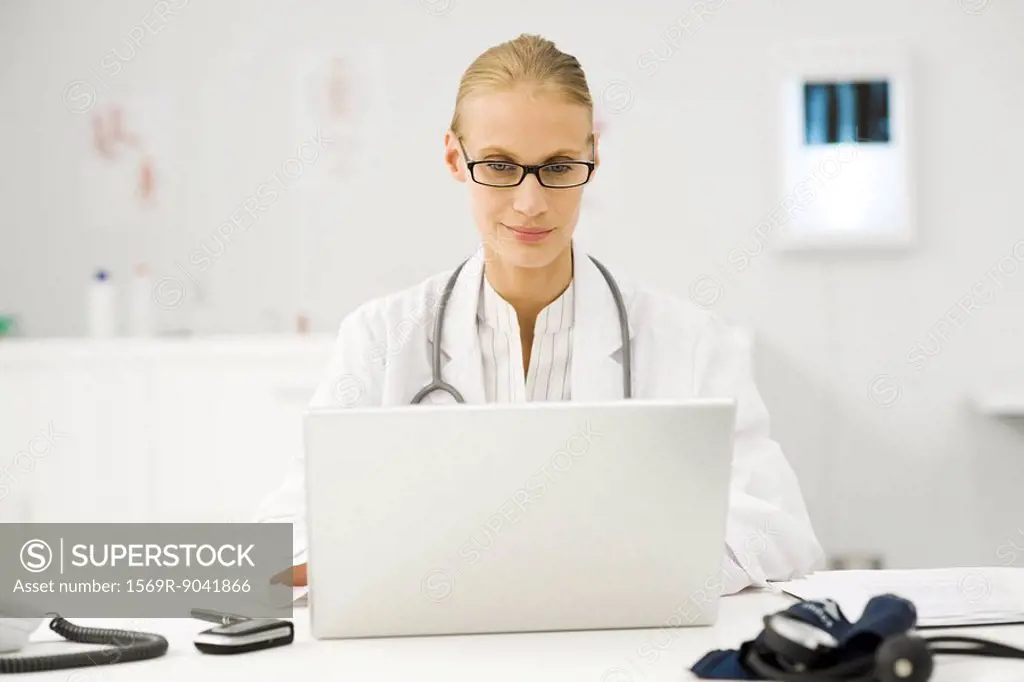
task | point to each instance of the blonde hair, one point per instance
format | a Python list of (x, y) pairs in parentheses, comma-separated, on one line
[(530, 60)]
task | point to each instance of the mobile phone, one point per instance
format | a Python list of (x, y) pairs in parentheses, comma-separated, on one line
[(246, 635)]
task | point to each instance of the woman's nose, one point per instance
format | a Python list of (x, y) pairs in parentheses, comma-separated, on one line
[(530, 198)]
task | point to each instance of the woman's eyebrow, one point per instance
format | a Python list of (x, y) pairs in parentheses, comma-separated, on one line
[(565, 154), (496, 151), (561, 153)]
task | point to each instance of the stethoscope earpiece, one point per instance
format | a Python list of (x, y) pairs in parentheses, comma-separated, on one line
[(903, 658)]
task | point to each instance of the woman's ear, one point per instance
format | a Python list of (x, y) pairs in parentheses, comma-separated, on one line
[(453, 158)]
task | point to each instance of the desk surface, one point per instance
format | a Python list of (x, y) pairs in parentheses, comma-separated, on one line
[(591, 656)]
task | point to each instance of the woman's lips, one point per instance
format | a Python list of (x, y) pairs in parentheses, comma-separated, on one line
[(529, 234)]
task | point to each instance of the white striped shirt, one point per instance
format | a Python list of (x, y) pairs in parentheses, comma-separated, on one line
[(502, 350)]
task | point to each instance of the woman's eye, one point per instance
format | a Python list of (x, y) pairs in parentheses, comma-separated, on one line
[(500, 167), (559, 168)]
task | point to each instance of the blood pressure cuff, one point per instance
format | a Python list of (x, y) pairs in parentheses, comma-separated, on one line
[(884, 616)]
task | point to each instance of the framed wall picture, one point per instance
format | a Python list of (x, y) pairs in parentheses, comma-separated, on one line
[(846, 130)]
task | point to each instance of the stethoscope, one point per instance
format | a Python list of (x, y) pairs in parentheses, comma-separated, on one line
[(439, 384)]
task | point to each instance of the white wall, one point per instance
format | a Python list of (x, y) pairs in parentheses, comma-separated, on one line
[(924, 480)]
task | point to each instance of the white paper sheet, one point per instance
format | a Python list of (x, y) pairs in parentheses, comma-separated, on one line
[(943, 597)]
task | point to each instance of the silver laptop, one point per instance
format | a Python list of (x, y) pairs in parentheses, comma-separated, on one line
[(432, 520)]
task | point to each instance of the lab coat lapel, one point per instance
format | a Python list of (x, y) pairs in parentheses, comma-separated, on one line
[(597, 336), (462, 361)]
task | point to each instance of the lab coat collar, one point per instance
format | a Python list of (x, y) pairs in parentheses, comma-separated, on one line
[(596, 372), (462, 360)]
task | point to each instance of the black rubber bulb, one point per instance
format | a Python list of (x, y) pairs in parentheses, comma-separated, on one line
[(903, 658)]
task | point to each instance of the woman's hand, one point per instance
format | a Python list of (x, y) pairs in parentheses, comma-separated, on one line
[(294, 576)]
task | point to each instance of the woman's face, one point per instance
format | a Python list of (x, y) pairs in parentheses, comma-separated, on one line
[(527, 226)]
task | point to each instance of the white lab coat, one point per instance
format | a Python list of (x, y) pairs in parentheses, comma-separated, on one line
[(383, 357)]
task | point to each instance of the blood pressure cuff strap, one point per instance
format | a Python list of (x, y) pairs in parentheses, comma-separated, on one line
[(883, 617)]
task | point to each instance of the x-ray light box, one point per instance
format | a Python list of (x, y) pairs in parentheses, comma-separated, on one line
[(846, 149)]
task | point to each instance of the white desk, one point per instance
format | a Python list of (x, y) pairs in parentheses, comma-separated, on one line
[(595, 656)]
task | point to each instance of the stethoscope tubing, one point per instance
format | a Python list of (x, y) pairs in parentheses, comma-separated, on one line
[(437, 383)]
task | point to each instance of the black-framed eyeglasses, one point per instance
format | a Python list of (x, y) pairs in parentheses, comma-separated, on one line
[(555, 175)]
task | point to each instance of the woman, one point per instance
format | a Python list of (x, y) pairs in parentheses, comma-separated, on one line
[(532, 317)]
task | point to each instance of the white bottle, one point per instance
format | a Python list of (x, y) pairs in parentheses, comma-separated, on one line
[(102, 303), (140, 303)]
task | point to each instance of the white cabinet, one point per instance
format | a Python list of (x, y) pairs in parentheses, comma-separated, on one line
[(150, 430)]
